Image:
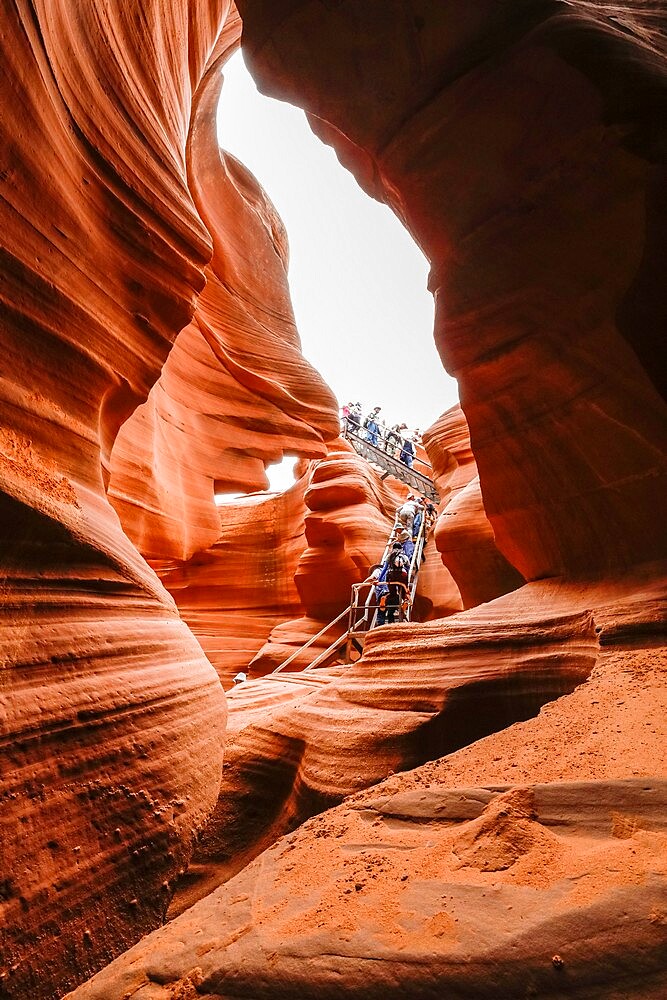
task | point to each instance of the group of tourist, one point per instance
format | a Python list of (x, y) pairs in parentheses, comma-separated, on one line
[(391, 578), (393, 440)]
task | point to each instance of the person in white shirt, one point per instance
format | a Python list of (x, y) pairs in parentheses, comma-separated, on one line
[(406, 513)]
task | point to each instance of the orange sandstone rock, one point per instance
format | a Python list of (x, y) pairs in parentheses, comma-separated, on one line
[(235, 392), (545, 255), (441, 887), (113, 720), (464, 536), (523, 146), (235, 592), (555, 847)]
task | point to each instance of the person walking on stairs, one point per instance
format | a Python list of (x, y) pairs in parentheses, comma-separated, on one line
[(406, 514), (397, 580), (378, 575), (394, 439), (407, 543), (372, 427), (354, 417), (408, 453)]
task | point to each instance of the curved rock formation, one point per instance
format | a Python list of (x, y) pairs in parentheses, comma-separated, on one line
[(235, 392), (464, 536), (523, 145), (418, 692), (235, 592), (537, 878), (552, 391), (113, 721), (349, 514)]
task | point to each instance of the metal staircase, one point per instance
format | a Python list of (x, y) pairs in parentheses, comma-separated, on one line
[(388, 465), (362, 612)]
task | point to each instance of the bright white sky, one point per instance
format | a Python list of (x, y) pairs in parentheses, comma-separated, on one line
[(357, 279)]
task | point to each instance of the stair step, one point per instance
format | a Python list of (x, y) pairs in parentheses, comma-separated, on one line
[(387, 465)]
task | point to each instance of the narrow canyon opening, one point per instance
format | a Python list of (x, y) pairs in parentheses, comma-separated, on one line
[(470, 800)]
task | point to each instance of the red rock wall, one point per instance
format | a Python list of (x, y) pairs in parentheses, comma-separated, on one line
[(110, 156), (113, 720), (233, 594), (235, 392), (522, 147), (523, 236), (463, 535)]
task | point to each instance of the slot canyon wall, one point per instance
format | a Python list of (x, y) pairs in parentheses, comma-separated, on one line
[(113, 719), (282, 566), (464, 536), (150, 359)]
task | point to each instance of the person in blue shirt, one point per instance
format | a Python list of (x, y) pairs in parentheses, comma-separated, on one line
[(379, 574), (416, 524), (408, 453), (407, 545), (372, 427)]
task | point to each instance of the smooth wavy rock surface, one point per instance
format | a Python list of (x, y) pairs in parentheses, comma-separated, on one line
[(235, 392), (524, 147), (235, 592), (419, 691), (463, 535), (112, 719), (530, 861)]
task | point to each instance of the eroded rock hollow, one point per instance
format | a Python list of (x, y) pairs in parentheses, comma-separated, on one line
[(476, 806)]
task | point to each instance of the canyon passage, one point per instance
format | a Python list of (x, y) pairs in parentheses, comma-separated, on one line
[(467, 801)]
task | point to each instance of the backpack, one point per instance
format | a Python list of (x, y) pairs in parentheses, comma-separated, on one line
[(399, 562)]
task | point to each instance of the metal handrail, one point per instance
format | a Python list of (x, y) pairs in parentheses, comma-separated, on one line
[(352, 628), (310, 641), (415, 564), (356, 627), (354, 624), (349, 427), (393, 466)]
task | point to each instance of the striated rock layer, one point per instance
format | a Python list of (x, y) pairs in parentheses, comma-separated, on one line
[(418, 692), (113, 720), (463, 535), (234, 592), (481, 875), (523, 146), (524, 149), (235, 392)]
